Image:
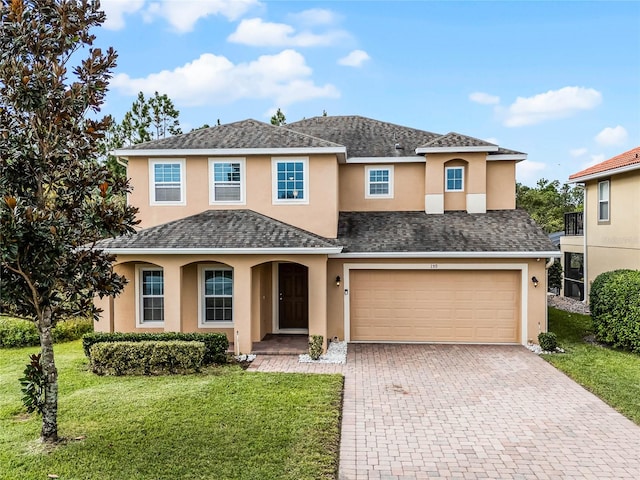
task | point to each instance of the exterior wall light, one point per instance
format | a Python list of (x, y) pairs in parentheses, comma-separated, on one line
[(338, 281), (535, 281)]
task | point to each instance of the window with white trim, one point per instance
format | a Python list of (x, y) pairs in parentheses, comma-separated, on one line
[(603, 201), (217, 296), (290, 180), (166, 182), (227, 181), (379, 182), (454, 179), (151, 295)]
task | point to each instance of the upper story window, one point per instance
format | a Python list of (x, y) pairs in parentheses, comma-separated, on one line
[(603, 201), (166, 182), (379, 182), (216, 296), (290, 180), (151, 296), (227, 181), (454, 179)]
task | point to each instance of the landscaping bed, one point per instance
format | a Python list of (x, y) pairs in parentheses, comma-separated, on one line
[(221, 423)]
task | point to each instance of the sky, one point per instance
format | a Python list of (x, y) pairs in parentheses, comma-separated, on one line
[(559, 81)]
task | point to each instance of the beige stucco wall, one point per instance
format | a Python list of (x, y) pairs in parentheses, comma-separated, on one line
[(501, 185), (408, 191), (536, 301), (614, 244), (320, 215)]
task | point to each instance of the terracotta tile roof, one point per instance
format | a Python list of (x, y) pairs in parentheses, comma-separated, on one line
[(626, 159)]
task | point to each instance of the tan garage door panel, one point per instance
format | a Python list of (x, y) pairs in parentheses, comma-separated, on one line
[(435, 306)]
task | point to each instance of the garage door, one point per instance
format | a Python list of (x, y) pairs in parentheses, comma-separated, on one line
[(435, 306)]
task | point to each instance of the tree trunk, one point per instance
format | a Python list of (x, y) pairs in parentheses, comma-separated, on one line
[(50, 410)]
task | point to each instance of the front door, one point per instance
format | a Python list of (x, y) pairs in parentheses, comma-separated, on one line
[(293, 297)]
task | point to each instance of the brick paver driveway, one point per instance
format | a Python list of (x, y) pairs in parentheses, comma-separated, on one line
[(471, 411)]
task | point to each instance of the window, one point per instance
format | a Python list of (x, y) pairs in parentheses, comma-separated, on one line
[(291, 184), (151, 296), (454, 179), (603, 201), (217, 296), (227, 181), (379, 182), (167, 182)]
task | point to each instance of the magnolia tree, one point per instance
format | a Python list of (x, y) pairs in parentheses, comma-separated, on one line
[(56, 199)]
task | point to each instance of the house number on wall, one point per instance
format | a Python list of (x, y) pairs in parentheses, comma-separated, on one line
[(434, 265)]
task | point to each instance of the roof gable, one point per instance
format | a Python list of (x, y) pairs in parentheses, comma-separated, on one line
[(456, 142), (629, 160)]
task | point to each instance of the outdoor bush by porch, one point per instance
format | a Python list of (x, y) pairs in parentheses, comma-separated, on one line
[(223, 423)]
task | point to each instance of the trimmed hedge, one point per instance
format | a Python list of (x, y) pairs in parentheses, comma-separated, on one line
[(216, 344), (15, 332), (614, 301), (146, 358)]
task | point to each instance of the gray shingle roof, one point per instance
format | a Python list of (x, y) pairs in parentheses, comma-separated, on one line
[(244, 134), (494, 231), (365, 137), (220, 229), (453, 139)]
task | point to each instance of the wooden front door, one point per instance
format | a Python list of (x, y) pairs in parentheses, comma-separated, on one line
[(293, 296)]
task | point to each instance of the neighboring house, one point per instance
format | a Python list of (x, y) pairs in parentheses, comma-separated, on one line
[(606, 236), (343, 227)]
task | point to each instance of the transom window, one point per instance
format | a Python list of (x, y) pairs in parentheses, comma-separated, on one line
[(379, 182), (454, 179), (227, 184), (167, 182), (217, 295), (290, 181), (151, 295), (603, 201)]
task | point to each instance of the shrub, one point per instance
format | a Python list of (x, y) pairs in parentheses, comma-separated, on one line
[(145, 358), (548, 341), (315, 346), (555, 276), (32, 385), (216, 344), (615, 308), (15, 332)]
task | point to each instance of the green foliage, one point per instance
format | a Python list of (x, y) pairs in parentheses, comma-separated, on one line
[(32, 385), (278, 119), (555, 276), (548, 201), (548, 341), (146, 358), (315, 346), (615, 308), (15, 332), (216, 344)]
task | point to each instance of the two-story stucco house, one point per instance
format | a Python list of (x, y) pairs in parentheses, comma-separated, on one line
[(606, 236), (341, 226)]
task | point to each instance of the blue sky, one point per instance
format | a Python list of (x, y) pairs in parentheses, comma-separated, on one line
[(557, 80)]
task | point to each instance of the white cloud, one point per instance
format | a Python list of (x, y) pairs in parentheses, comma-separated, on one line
[(183, 15), (214, 80), (493, 140), (258, 33), (612, 136), (528, 172), (355, 59), (551, 105), (484, 98), (578, 152), (315, 16), (116, 10)]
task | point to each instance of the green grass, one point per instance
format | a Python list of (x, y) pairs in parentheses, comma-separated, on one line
[(612, 375), (224, 423)]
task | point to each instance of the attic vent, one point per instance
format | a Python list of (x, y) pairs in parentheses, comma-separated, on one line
[(399, 147)]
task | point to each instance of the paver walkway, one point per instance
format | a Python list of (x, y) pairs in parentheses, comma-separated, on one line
[(471, 412)]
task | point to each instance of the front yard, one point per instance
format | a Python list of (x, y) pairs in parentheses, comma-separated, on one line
[(612, 375), (223, 423)]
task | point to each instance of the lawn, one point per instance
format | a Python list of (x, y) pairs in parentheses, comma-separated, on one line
[(223, 423), (612, 375)]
